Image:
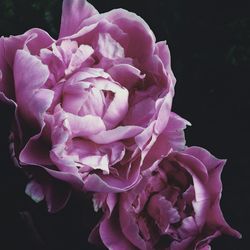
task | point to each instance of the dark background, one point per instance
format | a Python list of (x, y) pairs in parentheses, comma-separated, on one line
[(210, 47)]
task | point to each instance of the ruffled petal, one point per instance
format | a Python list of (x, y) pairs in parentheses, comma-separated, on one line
[(113, 184), (30, 76), (138, 31)]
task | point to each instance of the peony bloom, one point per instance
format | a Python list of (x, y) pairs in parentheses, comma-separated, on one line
[(175, 207), (90, 105)]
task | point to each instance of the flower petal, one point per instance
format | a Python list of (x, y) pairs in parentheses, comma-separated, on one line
[(116, 134), (127, 75), (73, 13), (137, 30), (30, 76), (112, 236)]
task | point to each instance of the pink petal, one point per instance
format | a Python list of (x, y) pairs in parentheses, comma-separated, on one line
[(130, 226), (126, 75), (141, 38), (200, 178), (109, 183), (73, 13), (86, 126), (136, 116), (163, 52), (162, 211), (163, 105), (79, 57), (116, 134), (33, 40), (108, 47), (28, 86)]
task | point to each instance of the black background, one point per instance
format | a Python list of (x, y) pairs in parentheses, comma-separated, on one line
[(210, 48)]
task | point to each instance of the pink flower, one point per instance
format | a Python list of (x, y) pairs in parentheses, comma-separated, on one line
[(175, 207), (90, 105)]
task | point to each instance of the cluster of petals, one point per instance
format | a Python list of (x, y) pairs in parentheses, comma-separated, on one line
[(92, 113)]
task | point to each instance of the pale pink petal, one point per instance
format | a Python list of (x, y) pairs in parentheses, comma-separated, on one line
[(85, 126), (79, 57), (108, 47), (174, 132), (35, 191), (116, 134)]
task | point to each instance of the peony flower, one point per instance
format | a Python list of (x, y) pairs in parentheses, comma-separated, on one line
[(175, 207), (90, 105)]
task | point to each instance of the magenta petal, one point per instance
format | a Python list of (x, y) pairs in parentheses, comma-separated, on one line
[(182, 245), (188, 228), (111, 235), (206, 248), (73, 13), (130, 228), (35, 152)]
